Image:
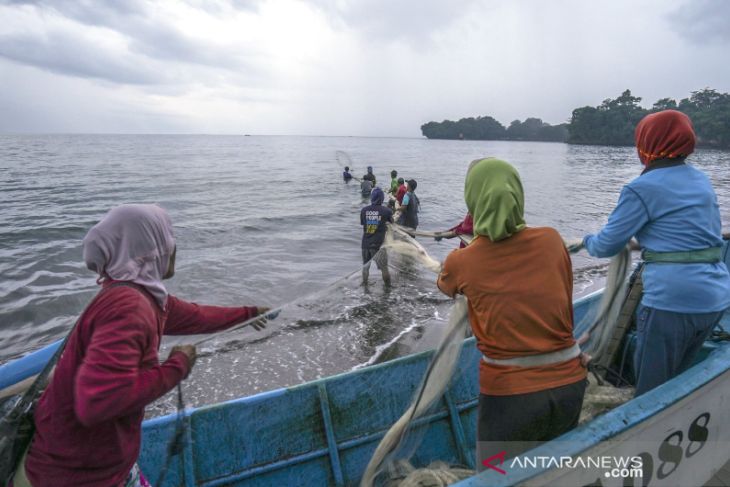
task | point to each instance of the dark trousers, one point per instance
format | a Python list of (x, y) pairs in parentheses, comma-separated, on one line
[(520, 422), (667, 343), (381, 261)]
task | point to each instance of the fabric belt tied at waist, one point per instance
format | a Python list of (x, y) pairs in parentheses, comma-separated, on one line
[(537, 360), (711, 255)]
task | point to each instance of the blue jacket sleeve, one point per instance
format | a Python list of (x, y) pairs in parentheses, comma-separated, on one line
[(629, 216)]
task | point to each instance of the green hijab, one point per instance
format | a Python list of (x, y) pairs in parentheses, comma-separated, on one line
[(494, 196)]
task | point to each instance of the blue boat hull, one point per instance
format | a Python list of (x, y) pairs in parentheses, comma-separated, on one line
[(324, 432)]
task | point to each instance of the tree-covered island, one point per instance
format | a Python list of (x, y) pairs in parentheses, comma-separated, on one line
[(610, 123)]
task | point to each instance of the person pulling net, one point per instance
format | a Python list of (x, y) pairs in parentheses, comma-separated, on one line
[(671, 209), (374, 219), (108, 369), (518, 283)]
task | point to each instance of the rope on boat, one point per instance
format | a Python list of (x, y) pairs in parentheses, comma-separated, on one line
[(437, 474)]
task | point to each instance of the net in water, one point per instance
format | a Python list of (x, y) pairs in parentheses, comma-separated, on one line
[(347, 326)]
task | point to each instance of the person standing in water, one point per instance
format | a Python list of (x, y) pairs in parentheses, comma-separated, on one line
[(370, 176), (393, 182), (672, 210), (519, 284), (374, 219), (366, 187), (88, 421), (393, 189), (346, 174), (410, 207), (401, 192)]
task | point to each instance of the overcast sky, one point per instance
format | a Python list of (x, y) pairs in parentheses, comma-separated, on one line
[(343, 67)]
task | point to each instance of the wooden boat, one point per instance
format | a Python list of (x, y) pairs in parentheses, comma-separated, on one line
[(324, 432)]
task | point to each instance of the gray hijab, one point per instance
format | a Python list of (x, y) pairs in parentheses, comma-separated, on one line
[(132, 243)]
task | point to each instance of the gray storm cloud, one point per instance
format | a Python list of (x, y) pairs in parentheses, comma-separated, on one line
[(365, 67), (412, 21), (146, 37), (67, 54), (703, 21)]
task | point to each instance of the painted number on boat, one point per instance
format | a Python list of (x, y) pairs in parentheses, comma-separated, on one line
[(670, 453)]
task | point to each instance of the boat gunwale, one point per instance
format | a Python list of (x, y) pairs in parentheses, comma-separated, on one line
[(618, 420)]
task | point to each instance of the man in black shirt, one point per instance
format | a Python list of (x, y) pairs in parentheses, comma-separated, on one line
[(370, 176), (373, 219)]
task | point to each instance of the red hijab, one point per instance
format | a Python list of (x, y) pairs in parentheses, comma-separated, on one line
[(664, 135)]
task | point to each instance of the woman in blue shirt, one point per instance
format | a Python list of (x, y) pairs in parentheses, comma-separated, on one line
[(672, 210)]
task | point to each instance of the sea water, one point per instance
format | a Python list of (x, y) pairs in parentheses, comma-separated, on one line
[(267, 220)]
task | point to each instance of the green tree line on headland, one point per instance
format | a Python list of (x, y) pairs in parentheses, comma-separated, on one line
[(487, 128), (610, 123)]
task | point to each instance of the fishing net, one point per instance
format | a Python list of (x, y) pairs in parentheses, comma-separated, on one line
[(401, 243), (600, 398), (344, 159), (437, 474), (348, 325), (339, 327), (594, 330), (436, 379)]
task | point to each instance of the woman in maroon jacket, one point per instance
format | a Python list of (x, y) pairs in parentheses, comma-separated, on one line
[(466, 227), (89, 419)]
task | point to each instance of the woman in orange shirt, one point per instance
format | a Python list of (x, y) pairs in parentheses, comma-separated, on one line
[(519, 284)]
